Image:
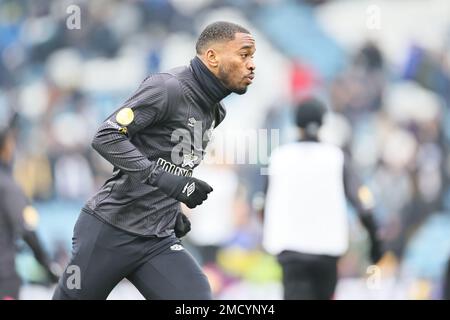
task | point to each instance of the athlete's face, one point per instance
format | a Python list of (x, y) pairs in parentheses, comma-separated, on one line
[(235, 66)]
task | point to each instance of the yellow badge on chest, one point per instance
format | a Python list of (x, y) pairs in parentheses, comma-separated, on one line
[(125, 116)]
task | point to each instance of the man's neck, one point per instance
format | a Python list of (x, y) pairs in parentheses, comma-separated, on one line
[(210, 83)]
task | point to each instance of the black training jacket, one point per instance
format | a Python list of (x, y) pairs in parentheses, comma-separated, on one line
[(165, 125)]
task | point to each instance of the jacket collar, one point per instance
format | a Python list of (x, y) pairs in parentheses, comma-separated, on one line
[(213, 88)]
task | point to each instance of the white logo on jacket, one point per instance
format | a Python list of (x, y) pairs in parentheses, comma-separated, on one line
[(176, 247)]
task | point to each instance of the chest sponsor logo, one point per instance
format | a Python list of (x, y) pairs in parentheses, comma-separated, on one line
[(173, 169), (189, 160)]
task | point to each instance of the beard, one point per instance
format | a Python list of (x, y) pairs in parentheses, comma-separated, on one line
[(225, 75)]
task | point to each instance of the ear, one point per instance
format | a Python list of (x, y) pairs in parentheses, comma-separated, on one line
[(211, 58)]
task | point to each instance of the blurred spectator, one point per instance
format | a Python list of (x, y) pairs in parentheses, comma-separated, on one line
[(305, 221), (17, 220), (213, 224)]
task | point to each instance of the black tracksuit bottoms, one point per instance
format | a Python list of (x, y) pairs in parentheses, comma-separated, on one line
[(103, 255), (308, 276)]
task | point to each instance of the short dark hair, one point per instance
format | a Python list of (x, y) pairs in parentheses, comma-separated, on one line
[(309, 111), (218, 31)]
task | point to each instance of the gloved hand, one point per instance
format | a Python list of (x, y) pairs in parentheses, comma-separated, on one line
[(182, 225), (188, 190)]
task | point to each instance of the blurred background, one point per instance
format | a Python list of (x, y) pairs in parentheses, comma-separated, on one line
[(382, 67)]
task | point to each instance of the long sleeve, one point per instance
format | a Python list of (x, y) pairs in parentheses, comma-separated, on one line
[(31, 239), (22, 219), (362, 200), (148, 106), (13, 207), (358, 195)]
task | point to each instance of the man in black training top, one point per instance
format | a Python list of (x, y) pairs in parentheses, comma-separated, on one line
[(130, 228)]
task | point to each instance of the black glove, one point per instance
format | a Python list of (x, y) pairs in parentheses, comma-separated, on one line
[(182, 225), (188, 190)]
